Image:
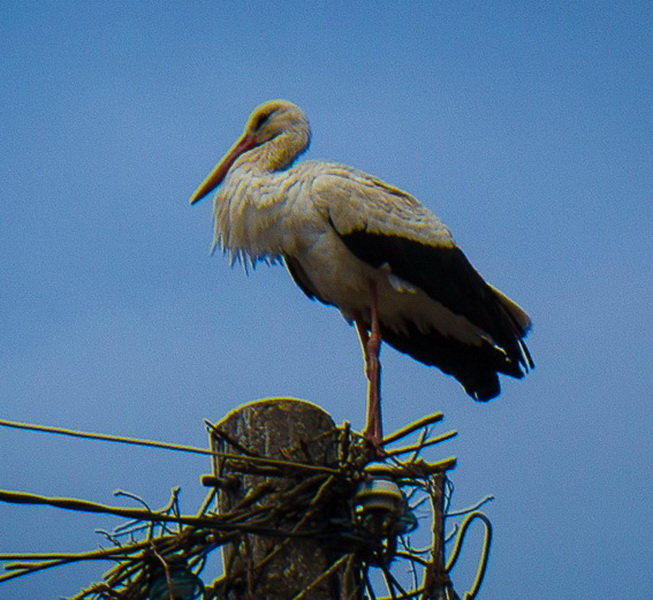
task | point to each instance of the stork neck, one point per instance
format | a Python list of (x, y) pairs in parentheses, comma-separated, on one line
[(278, 153)]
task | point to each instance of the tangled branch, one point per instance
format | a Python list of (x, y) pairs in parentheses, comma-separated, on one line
[(165, 557)]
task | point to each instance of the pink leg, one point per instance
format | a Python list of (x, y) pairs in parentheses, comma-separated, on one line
[(371, 347)]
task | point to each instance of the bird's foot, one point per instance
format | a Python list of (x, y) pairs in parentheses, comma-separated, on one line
[(374, 437), (376, 448)]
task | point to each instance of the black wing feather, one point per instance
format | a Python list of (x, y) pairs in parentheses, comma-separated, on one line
[(475, 367), (446, 276)]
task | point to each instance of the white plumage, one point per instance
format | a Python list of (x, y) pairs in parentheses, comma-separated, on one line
[(355, 242)]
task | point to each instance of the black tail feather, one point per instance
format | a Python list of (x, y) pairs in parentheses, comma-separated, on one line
[(476, 367)]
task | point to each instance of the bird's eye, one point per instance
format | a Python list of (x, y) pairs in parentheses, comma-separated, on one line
[(260, 120)]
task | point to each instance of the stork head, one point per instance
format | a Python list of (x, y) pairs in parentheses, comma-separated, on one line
[(278, 128), (278, 117)]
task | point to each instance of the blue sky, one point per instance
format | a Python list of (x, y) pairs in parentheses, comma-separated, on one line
[(525, 126)]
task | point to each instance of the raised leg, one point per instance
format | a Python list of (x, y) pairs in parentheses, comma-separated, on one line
[(371, 343)]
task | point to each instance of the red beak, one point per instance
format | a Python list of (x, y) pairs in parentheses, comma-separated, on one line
[(215, 177)]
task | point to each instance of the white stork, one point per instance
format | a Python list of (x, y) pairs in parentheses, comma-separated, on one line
[(352, 241)]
